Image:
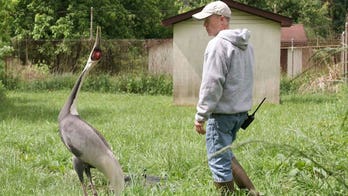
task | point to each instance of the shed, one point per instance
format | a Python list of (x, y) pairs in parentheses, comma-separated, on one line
[(293, 42), (190, 40)]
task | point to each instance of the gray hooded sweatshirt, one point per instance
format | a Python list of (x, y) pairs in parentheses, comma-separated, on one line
[(227, 78)]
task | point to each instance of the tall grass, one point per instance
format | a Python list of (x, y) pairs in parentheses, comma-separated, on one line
[(296, 148)]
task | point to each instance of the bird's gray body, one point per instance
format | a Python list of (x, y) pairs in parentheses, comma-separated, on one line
[(82, 139), (88, 146)]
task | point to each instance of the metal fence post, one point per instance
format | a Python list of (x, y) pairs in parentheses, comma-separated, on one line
[(345, 63)]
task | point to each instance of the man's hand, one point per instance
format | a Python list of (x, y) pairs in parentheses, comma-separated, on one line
[(199, 126)]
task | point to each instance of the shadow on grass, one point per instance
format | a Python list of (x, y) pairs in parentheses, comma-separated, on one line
[(34, 110)]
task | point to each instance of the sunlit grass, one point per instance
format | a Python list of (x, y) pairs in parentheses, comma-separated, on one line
[(296, 148)]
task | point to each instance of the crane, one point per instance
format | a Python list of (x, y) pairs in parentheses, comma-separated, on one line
[(88, 146)]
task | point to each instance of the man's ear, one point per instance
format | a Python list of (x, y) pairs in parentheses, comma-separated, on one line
[(223, 20)]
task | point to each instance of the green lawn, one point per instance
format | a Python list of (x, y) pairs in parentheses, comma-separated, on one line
[(299, 147)]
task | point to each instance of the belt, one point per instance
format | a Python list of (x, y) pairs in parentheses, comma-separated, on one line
[(235, 114)]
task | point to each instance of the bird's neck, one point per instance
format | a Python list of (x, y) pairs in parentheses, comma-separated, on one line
[(70, 106), (114, 173)]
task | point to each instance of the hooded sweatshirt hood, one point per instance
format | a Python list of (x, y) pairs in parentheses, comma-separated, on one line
[(238, 37)]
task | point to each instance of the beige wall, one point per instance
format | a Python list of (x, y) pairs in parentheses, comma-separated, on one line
[(190, 40), (160, 56)]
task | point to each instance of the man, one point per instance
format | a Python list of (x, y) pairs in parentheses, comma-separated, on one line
[(225, 95)]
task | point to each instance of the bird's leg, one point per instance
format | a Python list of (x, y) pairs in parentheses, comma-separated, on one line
[(79, 166), (88, 173), (84, 189)]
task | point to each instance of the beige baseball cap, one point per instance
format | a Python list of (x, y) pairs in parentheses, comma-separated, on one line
[(216, 7)]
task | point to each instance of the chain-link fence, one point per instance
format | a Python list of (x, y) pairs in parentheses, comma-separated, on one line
[(62, 56)]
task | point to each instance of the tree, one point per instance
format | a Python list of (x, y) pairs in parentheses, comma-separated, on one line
[(186, 5), (322, 18), (6, 10), (338, 13), (147, 16), (71, 19), (34, 22), (313, 14)]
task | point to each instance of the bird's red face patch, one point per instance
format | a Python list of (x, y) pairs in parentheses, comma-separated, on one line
[(96, 55)]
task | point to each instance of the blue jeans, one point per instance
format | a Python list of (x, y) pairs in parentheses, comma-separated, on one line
[(221, 132)]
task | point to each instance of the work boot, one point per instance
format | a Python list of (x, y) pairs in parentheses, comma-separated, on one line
[(225, 188), (241, 178)]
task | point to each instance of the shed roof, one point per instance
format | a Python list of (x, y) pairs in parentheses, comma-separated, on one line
[(283, 20), (295, 33)]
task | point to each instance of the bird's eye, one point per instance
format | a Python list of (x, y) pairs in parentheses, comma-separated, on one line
[(96, 55)]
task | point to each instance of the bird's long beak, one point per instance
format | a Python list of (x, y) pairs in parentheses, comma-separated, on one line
[(96, 52)]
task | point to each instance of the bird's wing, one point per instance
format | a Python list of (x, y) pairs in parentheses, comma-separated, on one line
[(81, 138)]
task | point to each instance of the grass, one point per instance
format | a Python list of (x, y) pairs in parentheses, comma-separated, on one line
[(296, 148)]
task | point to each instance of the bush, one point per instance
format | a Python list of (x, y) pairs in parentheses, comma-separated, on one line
[(100, 83), (288, 85), (145, 84), (324, 80), (11, 82), (142, 83), (56, 82)]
